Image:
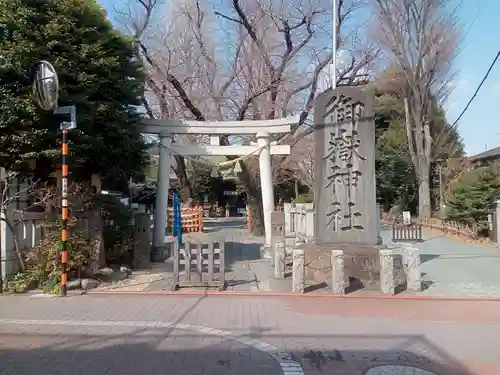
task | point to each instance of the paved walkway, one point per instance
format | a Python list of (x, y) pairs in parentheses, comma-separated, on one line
[(246, 271), (247, 335), (450, 268), (456, 269)]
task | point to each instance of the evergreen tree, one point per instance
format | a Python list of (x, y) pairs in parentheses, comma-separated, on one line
[(472, 197), (98, 73)]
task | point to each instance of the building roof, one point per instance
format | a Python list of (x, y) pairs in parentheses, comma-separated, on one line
[(492, 153)]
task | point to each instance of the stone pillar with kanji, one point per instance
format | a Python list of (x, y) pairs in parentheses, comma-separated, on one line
[(345, 205), (345, 198)]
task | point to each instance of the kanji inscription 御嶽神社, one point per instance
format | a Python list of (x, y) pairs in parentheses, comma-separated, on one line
[(343, 157)]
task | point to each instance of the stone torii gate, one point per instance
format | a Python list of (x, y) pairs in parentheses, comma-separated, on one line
[(262, 129)]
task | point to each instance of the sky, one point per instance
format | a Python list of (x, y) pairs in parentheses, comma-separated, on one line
[(480, 126)]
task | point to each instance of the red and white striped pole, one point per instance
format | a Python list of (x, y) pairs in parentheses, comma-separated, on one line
[(64, 214)]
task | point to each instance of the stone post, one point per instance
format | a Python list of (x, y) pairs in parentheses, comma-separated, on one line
[(339, 283), (95, 225), (298, 266), (279, 259), (411, 264), (379, 237), (266, 183), (161, 207), (387, 280), (496, 225), (277, 231), (298, 271), (141, 253)]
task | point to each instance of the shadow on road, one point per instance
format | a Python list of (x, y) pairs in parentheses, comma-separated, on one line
[(123, 350)]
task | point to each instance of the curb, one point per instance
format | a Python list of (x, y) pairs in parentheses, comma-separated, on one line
[(289, 295)]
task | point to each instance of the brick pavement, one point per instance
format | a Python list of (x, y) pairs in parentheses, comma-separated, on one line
[(323, 335)]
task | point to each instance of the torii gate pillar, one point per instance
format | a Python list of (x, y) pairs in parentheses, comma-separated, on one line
[(163, 183), (261, 128), (266, 185)]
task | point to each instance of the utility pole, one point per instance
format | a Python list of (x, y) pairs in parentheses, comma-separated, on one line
[(3, 34), (46, 95), (441, 189)]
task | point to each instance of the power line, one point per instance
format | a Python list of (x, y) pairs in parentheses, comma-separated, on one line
[(478, 88)]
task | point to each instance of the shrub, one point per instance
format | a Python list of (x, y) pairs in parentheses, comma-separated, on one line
[(43, 270), (43, 266), (472, 196), (304, 198), (118, 231)]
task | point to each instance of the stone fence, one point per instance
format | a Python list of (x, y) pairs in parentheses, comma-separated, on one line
[(299, 220), (342, 271), (27, 233)]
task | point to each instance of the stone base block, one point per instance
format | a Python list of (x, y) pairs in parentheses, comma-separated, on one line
[(266, 252), (160, 253), (361, 265)]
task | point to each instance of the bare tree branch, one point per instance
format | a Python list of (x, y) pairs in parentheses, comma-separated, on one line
[(422, 37)]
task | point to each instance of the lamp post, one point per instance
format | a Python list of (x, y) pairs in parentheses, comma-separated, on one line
[(46, 95), (333, 66)]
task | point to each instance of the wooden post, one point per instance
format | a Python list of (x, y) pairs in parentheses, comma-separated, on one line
[(222, 264), (187, 261), (177, 259), (210, 266), (201, 220), (199, 261)]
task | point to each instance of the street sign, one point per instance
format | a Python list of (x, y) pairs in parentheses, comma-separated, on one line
[(45, 86)]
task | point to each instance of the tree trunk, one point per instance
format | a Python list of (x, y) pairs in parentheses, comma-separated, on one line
[(254, 200), (186, 189), (257, 215), (424, 191), (180, 171)]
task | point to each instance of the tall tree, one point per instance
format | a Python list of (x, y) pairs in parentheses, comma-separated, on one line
[(396, 180), (422, 36), (238, 60), (98, 73)]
